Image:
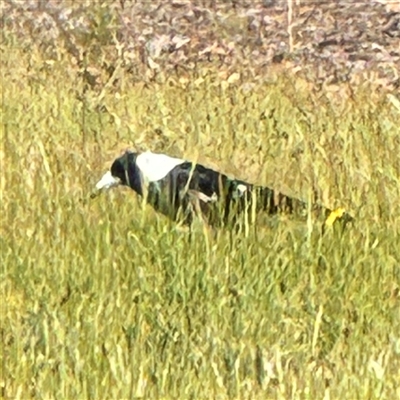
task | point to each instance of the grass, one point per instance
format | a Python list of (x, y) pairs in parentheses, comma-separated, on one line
[(107, 299)]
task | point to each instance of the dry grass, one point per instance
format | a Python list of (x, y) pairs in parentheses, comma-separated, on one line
[(106, 299)]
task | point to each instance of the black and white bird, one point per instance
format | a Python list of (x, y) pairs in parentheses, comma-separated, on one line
[(181, 189)]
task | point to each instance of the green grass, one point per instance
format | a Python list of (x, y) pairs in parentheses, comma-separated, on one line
[(107, 299)]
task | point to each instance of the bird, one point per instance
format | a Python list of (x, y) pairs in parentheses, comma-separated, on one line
[(182, 189)]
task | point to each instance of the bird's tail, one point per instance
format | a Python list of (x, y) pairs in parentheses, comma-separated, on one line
[(272, 202)]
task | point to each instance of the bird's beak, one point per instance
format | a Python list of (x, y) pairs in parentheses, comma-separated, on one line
[(106, 182)]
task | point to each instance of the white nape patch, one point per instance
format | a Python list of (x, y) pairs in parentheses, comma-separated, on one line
[(155, 166), (107, 181)]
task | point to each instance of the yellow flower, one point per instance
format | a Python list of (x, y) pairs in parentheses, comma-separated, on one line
[(334, 215)]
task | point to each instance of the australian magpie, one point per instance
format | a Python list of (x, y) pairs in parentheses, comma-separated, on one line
[(180, 188)]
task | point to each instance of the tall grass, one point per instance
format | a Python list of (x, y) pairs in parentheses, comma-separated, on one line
[(107, 299)]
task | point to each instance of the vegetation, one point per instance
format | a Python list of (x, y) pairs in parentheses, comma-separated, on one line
[(107, 299)]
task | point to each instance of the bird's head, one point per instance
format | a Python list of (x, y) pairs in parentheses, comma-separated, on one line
[(119, 173)]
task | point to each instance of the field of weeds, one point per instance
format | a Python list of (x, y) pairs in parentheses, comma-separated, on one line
[(105, 299)]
